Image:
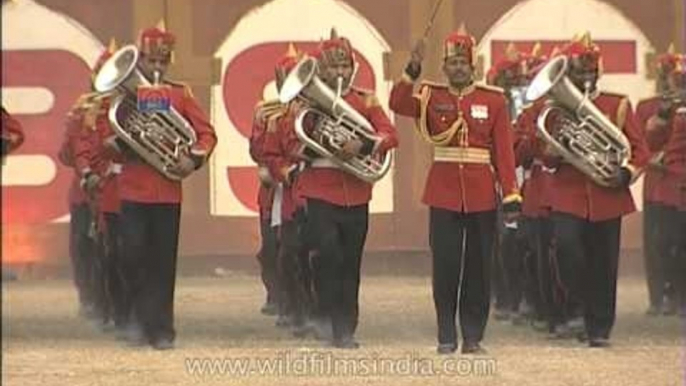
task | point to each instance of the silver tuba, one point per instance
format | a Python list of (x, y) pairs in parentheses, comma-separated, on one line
[(336, 122), (159, 138), (518, 102), (586, 138)]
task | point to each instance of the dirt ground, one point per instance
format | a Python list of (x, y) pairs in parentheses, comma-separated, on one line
[(223, 340)]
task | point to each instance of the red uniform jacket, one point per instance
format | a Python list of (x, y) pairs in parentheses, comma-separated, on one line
[(140, 182), (675, 161), (472, 138), (11, 131), (282, 154), (653, 180), (577, 194), (529, 154), (336, 186), (92, 155), (66, 155), (265, 116)]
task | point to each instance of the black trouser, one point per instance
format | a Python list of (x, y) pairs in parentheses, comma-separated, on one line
[(667, 247), (293, 273), (339, 233), (499, 274), (588, 255), (150, 235), (512, 259), (680, 274), (308, 265), (653, 226), (82, 250), (462, 248), (539, 233), (267, 257), (117, 287)]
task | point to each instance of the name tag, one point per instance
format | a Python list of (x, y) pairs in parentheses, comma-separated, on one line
[(479, 111), (154, 98), (444, 107)]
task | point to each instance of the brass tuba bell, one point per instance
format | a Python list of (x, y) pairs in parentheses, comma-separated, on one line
[(585, 138), (336, 122), (160, 138)]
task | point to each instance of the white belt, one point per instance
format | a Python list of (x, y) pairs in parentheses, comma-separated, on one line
[(277, 206), (114, 168), (324, 163)]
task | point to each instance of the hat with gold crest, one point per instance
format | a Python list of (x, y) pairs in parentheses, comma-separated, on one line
[(460, 42), (286, 62), (106, 54), (666, 63), (157, 40), (583, 52), (509, 66), (336, 48)]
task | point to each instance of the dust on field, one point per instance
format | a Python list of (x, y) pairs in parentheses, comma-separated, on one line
[(223, 339)]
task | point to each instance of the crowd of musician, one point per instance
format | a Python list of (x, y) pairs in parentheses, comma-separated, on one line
[(526, 191)]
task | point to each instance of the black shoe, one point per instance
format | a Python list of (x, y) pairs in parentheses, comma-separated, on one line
[(347, 342), (132, 335), (323, 329), (472, 348), (284, 321), (518, 319), (566, 331), (669, 308), (598, 342), (269, 308), (303, 330), (446, 348), (162, 344), (501, 315), (582, 337), (540, 325), (654, 311)]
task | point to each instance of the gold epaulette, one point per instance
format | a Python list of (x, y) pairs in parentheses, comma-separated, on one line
[(622, 110), (648, 100), (271, 109), (362, 91), (488, 87), (186, 88), (612, 94), (370, 100), (433, 84)]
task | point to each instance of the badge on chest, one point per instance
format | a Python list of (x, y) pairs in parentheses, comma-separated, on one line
[(479, 111)]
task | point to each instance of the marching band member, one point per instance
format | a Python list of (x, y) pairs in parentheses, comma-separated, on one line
[(151, 205), (536, 189), (98, 166), (469, 127), (675, 163), (586, 215), (12, 133), (283, 164), (665, 128), (512, 281), (337, 201), (83, 249), (12, 136), (654, 181), (267, 255)]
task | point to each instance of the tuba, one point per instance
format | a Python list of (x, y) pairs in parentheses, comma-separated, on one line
[(336, 122), (585, 138), (517, 98), (160, 138)]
